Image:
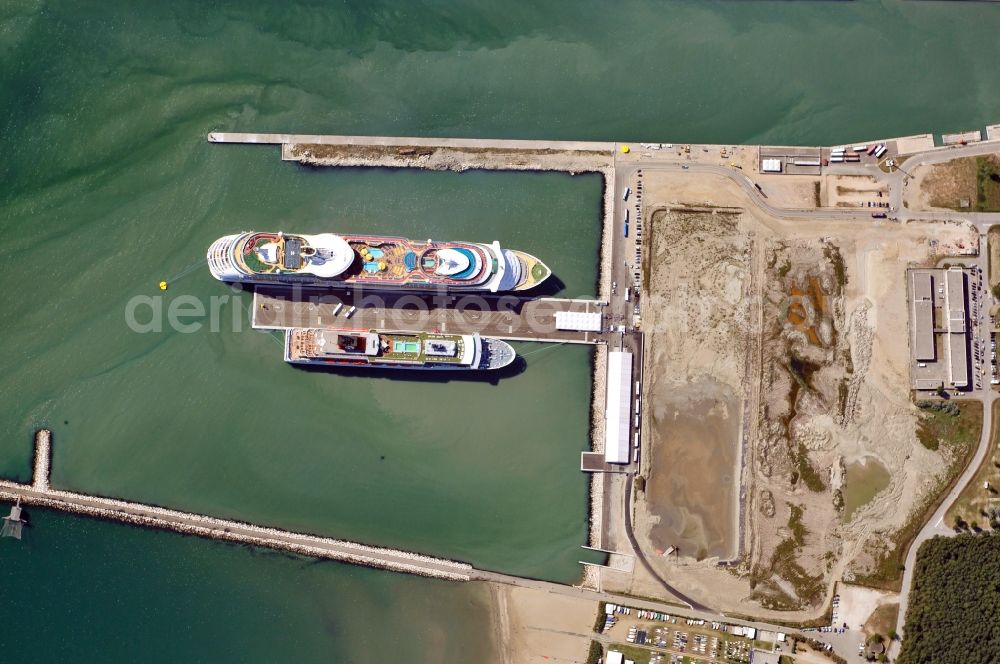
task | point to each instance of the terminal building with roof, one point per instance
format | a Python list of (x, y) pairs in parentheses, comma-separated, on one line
[(621, 418), (939, 328), (618, 408)]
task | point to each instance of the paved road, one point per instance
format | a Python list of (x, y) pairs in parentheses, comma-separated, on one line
[(625, 172), (663, 607), (900, 176), (625, 169), (936, 526), (642, 556)]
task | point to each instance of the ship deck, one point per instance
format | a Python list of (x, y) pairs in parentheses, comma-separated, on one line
[(403, 348)]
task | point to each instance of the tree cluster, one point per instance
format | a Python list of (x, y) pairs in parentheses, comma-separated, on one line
[(954, 612), (940, 406)]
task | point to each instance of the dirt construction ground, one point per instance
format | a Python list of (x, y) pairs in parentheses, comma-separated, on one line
[(776, 356), (943, 186), (956, 185)]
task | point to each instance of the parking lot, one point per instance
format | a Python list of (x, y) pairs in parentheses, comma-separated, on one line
[(676, 640)]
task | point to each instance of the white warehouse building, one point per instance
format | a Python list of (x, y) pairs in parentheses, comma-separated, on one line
[(617, 409)]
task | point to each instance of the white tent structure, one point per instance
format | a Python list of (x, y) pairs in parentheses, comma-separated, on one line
[(617, 407)]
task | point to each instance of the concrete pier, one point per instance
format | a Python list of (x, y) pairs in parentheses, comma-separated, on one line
[(503, 317), (404, 141)]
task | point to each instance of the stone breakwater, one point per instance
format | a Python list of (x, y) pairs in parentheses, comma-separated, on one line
[(39, 493), (42, 466)]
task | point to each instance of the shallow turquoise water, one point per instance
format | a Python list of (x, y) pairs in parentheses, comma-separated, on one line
[(109, 186)]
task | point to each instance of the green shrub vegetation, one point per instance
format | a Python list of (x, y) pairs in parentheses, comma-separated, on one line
[(808, 588), (987, 184), (600, 619), (833, 255), (949, 422), (806, 472), (959, 434), (954, 602), (595, 654), (799, 531)]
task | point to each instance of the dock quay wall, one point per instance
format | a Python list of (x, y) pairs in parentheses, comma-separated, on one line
[(598, 396), (38, 493)]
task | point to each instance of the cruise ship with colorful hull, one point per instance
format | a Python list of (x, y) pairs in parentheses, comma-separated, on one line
[(361, 348), (369, 261)]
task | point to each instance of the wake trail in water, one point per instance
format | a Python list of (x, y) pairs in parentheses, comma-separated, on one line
[(544, 348), (188, 270)]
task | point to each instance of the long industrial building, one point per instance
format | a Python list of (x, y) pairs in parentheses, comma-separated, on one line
[(939, 346), (618, 407)]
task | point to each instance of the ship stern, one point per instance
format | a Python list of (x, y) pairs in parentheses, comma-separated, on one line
[(495, 354)]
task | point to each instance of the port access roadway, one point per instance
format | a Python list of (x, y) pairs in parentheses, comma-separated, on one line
[(625, 171)]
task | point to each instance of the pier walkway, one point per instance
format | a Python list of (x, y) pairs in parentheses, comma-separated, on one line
[(407, 141), (504, 317)]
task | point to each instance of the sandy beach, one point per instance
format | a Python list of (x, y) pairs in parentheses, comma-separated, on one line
[(536, 626)]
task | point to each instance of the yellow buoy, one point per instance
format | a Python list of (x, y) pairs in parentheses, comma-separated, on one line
[(625, 149), (163, 285)]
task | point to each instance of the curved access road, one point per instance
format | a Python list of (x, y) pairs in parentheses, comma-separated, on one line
[(936, 526), (624, 170), (642, 556)]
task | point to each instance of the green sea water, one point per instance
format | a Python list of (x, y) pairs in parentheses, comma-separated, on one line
[(77, 590), (108, 186)]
